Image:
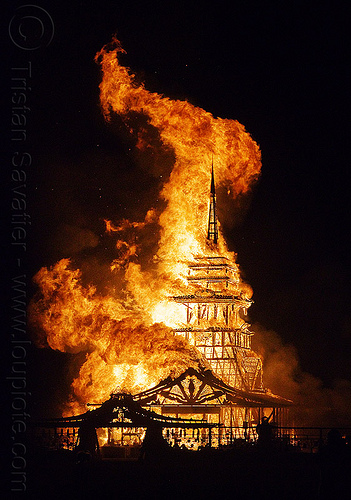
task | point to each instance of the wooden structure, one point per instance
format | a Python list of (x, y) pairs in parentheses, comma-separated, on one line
[(202, 395), (211, 407)]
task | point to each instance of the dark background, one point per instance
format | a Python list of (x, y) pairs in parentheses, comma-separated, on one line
[(283, 71)]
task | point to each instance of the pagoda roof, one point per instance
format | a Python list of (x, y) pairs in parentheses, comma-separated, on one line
[(209, 395), (212, 279), (211, 329), (134, 414), (212, 265), (211, 296), (211, 388)]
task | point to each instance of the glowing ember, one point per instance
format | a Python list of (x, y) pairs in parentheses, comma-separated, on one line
[(127, 333)]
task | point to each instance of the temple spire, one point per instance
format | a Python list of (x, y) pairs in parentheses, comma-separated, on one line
[(212, 233)]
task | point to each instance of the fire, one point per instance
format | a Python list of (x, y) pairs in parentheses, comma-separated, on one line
[(123, 349), (127, 333), (196, 137)]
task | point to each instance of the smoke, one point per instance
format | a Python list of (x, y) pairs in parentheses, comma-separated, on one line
[(314, 404), (70, 240)]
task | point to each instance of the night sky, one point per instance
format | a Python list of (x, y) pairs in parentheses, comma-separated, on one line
[(283, 71)]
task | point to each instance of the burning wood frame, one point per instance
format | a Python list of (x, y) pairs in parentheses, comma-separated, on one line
[(192, 371)]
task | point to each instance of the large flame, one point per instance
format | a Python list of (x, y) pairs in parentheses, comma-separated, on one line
[(126, 333)]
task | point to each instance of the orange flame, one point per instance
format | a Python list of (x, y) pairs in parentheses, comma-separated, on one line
[(72, 318), (127, 334), (196, 137)]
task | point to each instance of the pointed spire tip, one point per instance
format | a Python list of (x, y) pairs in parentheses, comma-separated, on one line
[(212, 233)]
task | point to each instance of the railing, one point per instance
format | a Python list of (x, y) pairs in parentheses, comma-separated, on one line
[(295, 439), (309, 439), (298, 439), (55, 438)]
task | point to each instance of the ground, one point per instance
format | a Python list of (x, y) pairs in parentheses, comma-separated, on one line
[(212, 474)]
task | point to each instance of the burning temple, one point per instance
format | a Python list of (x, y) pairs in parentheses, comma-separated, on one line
[(230, 392), (214, 405)]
